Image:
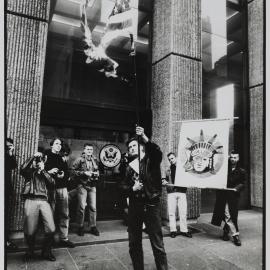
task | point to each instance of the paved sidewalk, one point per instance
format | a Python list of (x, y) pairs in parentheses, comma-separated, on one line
[(204, 251)]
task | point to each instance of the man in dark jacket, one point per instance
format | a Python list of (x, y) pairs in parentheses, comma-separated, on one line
[(36, 206), (142, 184), (176, 199), (56, 167), (85, 169), (226, 206), (10, 164)]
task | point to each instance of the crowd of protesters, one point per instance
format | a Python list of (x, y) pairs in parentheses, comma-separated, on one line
[(47, 196)]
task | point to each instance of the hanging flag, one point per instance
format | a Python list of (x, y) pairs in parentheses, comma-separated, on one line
[(123, 21), (95, 54), (203, 154)]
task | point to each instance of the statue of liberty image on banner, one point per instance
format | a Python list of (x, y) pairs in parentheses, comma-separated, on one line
[(203, 154)]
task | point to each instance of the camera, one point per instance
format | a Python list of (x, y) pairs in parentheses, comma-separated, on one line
[(94, 176), (38, 159)]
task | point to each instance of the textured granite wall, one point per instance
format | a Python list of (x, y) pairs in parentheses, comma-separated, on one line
[(256, 86), (176, 28), (255, 42), (27, 27), (176, 78), (256, 146)]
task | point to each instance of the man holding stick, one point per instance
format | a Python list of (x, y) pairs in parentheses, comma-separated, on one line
[(226, 206), (142, 184)]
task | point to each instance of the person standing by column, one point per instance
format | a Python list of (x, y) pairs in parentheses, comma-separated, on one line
[(85, 169), (36, 206), (176, 199), (142, 184), (10, 164), (56, 167), (226, 206)]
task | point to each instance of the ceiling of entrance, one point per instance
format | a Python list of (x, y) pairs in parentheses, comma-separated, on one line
[(65, 24), (66, 21)]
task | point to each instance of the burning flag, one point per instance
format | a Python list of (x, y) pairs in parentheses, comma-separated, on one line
[(122, 21)]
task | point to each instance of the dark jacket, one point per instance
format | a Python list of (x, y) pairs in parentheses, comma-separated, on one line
[(236, 179), (79, 167), (169, 179), (56, 161), (151, 174), (10, 164), (36, 184)]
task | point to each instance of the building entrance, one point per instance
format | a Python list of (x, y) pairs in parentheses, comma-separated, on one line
[(109, 199)]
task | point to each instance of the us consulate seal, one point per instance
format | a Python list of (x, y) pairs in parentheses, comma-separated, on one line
[(110, 155)]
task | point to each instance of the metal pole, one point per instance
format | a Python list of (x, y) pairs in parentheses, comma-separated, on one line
[(137, 105), (204, 120)]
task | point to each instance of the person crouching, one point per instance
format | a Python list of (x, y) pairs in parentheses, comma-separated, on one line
[(36, 205)]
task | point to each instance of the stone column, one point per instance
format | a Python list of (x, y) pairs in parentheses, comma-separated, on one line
[(176, 77), (27, 28), (256, 87)]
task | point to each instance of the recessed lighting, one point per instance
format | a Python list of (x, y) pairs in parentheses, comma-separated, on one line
[(66, 20), (232, 15)]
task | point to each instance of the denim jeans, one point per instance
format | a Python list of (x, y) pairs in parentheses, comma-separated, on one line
[(229, 226), (86, 197), (33, 210), (150, 214), (177, 200), (60, 206)]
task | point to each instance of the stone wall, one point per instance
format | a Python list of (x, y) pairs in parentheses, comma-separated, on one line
[(26, 28), (176, 78), (256, 94)]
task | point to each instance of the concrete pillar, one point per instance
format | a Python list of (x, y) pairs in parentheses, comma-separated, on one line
[(27, 28), (176, 77), (256, 86)]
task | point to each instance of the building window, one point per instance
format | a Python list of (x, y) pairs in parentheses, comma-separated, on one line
[(223, 54), (224, 93)]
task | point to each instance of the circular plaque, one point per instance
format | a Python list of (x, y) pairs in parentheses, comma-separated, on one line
[(110, 155)]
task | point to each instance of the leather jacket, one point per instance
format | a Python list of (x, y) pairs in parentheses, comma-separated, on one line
[(36, 184), (150, 174), (79, 168)]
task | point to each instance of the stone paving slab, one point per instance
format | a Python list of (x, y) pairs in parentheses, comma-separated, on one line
[(64, 261), (204, 251)]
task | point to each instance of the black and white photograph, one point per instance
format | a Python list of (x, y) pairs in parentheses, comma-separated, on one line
[(134, 134)]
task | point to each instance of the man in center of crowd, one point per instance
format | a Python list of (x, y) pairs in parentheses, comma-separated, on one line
[(85, 169), (142, 184), (56, 167)]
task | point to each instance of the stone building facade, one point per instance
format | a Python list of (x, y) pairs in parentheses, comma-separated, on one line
[(176, 91)]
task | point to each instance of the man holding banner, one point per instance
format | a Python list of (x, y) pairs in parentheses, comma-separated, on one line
[(176, 198), (226, 206), (202, 163)]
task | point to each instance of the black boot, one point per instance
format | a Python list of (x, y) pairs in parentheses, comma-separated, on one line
[(225, 236), (236, 240), (226, 231), (81, 231), (47, 248), (30, 240)]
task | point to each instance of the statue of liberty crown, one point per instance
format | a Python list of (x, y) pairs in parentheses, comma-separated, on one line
[(203, 148)]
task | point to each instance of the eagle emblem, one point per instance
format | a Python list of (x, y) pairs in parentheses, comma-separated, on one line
[(110, 155)]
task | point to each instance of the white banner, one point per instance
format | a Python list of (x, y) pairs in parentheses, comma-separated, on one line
[(203, 154)]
